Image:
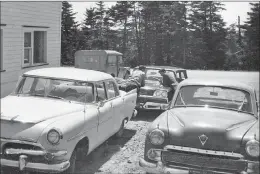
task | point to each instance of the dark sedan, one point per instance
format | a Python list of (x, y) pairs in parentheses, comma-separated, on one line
[(153, 96), (210, 127)]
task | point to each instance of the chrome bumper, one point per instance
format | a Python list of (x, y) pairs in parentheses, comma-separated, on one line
[(152, 106), (22, 164), (159, 167)]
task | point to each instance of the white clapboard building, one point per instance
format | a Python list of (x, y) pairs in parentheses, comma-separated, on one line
[(30, 38)]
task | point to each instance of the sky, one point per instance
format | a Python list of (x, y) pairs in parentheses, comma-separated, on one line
[(230, 15)]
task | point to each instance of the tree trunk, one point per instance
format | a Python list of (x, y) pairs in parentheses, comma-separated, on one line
[(139, 49)]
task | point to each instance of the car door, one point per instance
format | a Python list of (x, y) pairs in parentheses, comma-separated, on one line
[(105, 113), (117, 104), (129, 103)]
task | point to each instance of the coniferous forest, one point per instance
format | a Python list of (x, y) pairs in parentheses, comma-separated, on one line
[(192, 35)]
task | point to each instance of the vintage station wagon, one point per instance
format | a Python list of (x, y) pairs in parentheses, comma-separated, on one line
[(210, 127), (56, 115)]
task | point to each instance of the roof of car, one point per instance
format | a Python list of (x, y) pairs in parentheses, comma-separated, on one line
[(70, 73), (90, 52), (218, 82), (172, 68)]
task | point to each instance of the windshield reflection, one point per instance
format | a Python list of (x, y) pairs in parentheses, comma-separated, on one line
[(57, 89), (214, 97)]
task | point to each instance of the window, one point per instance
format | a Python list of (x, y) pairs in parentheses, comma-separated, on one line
[(57, 89), (35, 47), (216, 97), (111, 90), (112, 60), (101, 92), (1, 49)]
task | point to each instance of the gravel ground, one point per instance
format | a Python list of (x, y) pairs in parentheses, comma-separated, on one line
[(120, 155)]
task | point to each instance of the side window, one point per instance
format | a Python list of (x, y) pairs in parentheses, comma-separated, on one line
[(112, 60), (28, 81), (112, 90), (101, 91)]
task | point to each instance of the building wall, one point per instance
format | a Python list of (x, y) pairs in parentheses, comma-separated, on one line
[(16, 17)]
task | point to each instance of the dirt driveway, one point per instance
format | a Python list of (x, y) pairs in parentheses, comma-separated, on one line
[(120, 155)]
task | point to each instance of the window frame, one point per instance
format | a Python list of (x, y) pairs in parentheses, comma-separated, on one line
[(105, 91), (2, 49), (31, 59), (114, 87)]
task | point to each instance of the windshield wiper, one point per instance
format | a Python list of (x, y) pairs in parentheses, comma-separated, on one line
[(182, 100), (53, 96)]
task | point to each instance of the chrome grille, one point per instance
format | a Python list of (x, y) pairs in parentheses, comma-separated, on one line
[(146, 92), (17, 144), (204, 160)]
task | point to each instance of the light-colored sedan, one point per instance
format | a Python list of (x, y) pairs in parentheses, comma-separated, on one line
[(56, 115)]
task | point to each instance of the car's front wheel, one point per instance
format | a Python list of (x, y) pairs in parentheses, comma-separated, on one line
[(120, 132), (72, 167)]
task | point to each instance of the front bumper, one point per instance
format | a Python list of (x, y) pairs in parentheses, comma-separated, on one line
[(145, 102), (23, 165), (159, 167), (32, 159), (168, 160)]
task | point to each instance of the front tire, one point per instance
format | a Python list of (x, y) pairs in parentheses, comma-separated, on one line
[(72, 167), (120, 132)]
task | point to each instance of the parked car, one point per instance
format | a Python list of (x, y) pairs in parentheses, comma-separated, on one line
[(153, 96), (56, 115), (210, 127)]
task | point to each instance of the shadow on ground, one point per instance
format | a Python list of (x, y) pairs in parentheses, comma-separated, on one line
[(103, 153), (148, 116)]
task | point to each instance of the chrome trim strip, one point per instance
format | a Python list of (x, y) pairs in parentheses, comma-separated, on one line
[(4, 140), (11, 151), (202, 151)]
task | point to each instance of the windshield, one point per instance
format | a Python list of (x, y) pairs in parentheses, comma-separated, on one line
[(59, 89), (213, 96), (153, 74)]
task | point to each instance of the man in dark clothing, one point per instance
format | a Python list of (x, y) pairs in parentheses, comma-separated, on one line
[(168, 81)]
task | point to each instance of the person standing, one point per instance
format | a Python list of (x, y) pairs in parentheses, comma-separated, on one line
[(168, 81)]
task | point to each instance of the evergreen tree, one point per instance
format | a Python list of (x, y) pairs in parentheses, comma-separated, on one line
[(251, 59), (68, 32), (208, 30), (89, 27), (121, 13)]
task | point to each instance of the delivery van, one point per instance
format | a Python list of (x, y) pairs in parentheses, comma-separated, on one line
[(108, 61)]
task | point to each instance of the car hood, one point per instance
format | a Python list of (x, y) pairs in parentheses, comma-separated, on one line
[(30, 115), (152, 84), (224, 129)]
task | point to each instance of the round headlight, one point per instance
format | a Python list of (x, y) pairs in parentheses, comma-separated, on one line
[(252, 148), (156, 137), (157, 93), (164, 94), (53, 136)]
